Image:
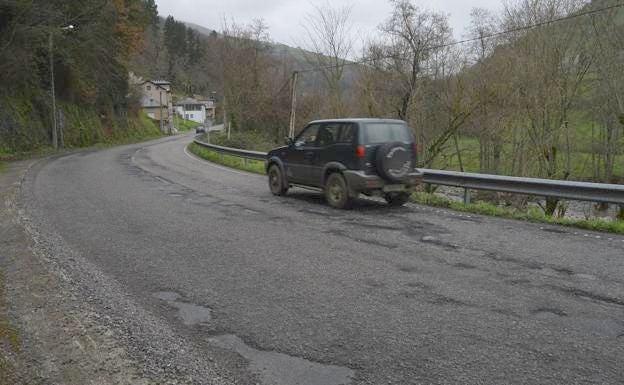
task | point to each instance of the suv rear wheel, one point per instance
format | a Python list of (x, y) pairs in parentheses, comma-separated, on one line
[(276, 181), (336, 192), (397, 199)]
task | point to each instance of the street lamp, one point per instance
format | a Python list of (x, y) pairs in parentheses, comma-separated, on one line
[(51, 48)]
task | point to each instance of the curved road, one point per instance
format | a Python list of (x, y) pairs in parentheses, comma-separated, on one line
[(288, 291)]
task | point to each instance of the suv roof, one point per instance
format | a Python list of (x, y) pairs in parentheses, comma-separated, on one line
[(357, 120)]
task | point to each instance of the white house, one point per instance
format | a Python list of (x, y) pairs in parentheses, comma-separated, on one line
[(191, 109)]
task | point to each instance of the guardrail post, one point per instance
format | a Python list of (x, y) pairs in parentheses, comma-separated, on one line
[(245, 162), (466, 196)]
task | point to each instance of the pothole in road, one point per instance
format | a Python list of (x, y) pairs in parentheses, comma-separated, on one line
[(281, 369), (548, 314), (189, 313), (585, 276), (438, 242), (602, 327), (554, 231)]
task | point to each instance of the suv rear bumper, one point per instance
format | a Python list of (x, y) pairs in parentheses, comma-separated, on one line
[(359, 182)]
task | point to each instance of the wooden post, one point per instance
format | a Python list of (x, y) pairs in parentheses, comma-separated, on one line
[(61, 127), (161, 114), (52, 90)]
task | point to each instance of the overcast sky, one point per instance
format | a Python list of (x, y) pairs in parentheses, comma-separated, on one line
[(285, 17)]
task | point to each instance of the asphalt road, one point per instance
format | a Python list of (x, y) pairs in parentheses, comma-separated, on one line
[(288, 291)]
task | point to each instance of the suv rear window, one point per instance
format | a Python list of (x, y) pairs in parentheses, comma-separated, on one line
[(386, 132)]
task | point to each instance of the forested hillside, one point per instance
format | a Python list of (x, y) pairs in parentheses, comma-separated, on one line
[(89, 44), (247, 72)]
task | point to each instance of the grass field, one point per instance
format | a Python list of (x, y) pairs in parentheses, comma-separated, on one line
[(581, 161)]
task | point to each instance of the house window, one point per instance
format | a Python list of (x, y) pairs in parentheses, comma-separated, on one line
[(149, 88), (186, 116), (192, 116)]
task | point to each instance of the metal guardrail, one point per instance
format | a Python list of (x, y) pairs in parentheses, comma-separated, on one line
[(581, 191), (255, 155)]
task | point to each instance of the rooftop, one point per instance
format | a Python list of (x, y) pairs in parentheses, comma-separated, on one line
[(188, 101)]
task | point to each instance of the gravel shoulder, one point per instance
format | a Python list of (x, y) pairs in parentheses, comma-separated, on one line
[(54, 336), (63, 322)]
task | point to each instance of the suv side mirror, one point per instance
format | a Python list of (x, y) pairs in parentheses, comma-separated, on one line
[(289, 141)]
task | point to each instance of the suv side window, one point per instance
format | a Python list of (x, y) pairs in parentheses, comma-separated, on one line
[(329, 134), (308, 137), (347, 132)]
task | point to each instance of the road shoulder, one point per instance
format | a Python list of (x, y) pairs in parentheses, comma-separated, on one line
[(48, 333)]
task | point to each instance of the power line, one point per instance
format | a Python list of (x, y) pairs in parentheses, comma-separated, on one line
[(495, 34)]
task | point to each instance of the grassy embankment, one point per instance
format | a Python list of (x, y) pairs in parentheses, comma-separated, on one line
[(184, 125), (531, 215), (249, 141), (254, 166), (83, 127)]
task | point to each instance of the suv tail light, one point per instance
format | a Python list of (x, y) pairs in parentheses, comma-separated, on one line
[(360, 151), (415, 148)]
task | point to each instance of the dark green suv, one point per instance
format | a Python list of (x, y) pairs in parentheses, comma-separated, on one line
[(347, 157)]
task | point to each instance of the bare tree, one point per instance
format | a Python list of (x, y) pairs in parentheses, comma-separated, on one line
[(251, 78), (412, 36), (489, 91), (413, 74), (329, 44), (551, 63), (608, 96)]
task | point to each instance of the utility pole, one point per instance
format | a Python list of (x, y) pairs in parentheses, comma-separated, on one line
[(176, 126), (52, 90), (161, 113), (293, 104), (55, 141), (170, 111), (225, 122)]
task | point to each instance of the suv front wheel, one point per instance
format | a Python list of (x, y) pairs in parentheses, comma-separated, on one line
[(276, 181), (336, 192)]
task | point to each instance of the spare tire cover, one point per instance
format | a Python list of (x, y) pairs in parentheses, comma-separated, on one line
[(394, 161)]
